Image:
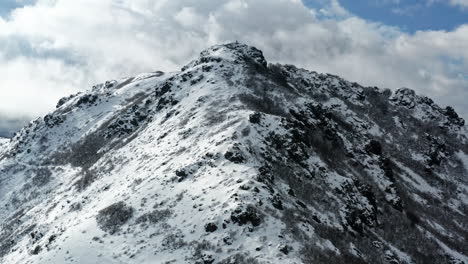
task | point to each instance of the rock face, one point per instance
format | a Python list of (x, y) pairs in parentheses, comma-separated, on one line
[(233, 160)]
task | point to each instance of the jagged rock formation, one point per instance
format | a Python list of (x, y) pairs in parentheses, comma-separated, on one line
[(232, 160)]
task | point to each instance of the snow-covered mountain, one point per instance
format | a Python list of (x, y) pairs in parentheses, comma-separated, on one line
[(232, 160)]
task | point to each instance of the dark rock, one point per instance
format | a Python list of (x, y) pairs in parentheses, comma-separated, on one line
[(64, 100), (374, 147), (52, 238), (208, 259), (265, 175), (353, 219), (166, 87), (211, 227), (244, 187), (436, 153), (255, 118), (35, 236), (182, 174), (316, 219), (196, 80), (234, 157), (87, 99), (36, 250), (277, 203), (109, 84), (53, 120), (227, 240), (301, 204), (285, 249), (412, 217), (249, 215), (453, 116), (207, 68), (405, 97), (387, 166)]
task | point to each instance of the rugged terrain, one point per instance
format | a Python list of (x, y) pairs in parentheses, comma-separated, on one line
[(233, 160)]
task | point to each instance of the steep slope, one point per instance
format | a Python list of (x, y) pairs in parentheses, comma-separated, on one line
[(232, 160)]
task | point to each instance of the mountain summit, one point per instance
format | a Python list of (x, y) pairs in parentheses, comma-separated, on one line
[(234, 160)]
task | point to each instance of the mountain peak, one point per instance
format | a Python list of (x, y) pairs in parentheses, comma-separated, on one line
[(233, 52)]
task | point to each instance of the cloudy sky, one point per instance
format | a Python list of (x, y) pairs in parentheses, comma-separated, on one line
[(51, 48)]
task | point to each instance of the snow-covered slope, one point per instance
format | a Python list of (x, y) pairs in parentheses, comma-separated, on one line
[(232, 160), (3, 141)]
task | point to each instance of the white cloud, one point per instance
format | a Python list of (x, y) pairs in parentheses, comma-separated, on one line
[(409, 10), (460, 3), (386, 2), (463, 4), (56, 47)]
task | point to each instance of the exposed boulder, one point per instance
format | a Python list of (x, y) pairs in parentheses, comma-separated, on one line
[(243, 216), (211, 227)]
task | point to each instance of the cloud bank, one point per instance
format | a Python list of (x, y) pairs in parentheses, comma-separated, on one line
[(56, 47)]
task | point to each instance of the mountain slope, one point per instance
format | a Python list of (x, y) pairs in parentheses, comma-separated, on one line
[(232, 160)]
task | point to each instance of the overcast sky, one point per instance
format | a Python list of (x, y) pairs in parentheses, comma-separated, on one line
[(51, 48)]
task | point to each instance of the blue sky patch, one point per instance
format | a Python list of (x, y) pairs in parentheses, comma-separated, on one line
[(409, 15), (6, 6)]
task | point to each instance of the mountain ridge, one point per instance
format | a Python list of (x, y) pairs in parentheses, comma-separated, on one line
[(234, 160)]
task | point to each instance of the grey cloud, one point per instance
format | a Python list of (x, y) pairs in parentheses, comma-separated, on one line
[(15, 46), (460, 3)]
